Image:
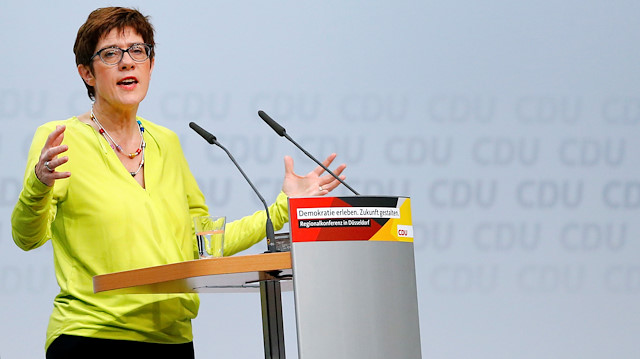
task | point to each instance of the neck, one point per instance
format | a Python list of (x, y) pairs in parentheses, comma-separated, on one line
[(120, 148), (116, 121)]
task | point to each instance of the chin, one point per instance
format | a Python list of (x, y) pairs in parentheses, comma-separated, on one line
[(132, 99)]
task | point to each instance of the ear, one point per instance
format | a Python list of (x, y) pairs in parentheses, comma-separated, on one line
[(87, 75)]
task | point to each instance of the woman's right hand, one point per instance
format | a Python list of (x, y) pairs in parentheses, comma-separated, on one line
[(46, 166)]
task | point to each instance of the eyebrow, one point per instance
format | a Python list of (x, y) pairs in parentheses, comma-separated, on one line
[(128, 45)]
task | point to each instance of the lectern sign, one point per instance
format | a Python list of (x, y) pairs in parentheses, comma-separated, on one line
[(354, 277), (359, 218)]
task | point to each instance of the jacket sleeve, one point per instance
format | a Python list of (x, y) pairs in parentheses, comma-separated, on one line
[(36, 207), (247, 231)]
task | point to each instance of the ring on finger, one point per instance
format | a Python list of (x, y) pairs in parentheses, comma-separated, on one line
[(46, 165), (321, 189)]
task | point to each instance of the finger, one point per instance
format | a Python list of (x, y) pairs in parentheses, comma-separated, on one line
[(55, 137), (339, 169), (57, 141), (333, 184), (61, 175), (327, 162), (52, 152), (326, 179), (54, 163), (49, 175), (52, 146), (288, 165)]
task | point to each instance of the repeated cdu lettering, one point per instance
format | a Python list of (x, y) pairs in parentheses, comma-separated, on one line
[(547, 278), (507, 236), (414, 150), (435, 236), (547, 194), (590, 152), (461, 109), (504, 151), (461, 193), (621, 110), (374, 108), (195, 105), (299, 106), (548, 110), (621, 194), (589, 237), (464, 278), (622, 279)]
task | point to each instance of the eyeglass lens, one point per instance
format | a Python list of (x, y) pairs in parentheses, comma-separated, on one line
[(113, 55)]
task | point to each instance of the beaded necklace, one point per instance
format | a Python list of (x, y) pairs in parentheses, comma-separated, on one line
[(115, 146)]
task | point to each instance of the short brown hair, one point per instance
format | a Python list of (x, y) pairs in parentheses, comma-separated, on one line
[(99, 23)]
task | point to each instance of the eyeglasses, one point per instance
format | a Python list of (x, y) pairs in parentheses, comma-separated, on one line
[(113, 55)]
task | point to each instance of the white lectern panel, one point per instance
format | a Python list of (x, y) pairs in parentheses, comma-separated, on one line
[(356, 300)]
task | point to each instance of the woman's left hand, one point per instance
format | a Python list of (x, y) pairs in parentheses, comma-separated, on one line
[(313, 184)]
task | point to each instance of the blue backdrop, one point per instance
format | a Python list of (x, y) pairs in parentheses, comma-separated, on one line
[(513, 127)]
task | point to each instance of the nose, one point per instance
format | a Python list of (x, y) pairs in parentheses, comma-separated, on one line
[(126, 61)]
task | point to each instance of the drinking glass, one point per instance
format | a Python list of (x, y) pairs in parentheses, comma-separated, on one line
[(210, 236)]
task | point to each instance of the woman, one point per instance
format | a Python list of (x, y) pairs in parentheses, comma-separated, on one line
[(114, 192)]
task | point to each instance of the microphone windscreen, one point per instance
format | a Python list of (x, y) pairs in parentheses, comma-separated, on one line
[(202, 132), (273, 124)]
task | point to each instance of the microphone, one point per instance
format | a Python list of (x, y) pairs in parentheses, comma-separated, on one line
[(271, 242), (204, 133), (283, 133)]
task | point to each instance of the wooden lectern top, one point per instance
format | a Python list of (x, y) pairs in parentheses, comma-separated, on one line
[(227, 274)]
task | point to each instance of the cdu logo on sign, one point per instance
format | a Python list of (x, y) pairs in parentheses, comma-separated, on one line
[(405, 231)]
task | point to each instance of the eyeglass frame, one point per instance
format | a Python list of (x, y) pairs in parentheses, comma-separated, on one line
[(122, 54)]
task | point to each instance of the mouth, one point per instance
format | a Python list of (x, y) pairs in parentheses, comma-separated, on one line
[(128, 81)]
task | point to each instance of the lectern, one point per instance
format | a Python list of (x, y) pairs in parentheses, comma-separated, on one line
[(353, 271)]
